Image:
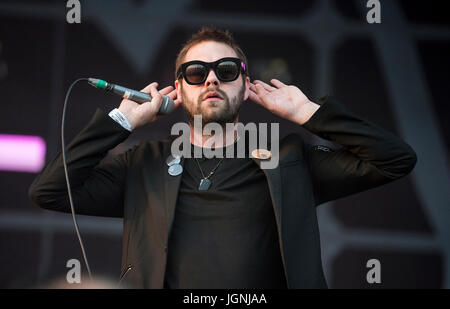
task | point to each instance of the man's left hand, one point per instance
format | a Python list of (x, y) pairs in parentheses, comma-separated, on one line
[(288, 102)]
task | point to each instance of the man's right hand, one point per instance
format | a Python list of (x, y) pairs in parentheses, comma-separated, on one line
[(139, 115)]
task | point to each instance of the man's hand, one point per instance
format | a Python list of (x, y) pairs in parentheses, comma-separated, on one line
[(139, 115), (285, 101)]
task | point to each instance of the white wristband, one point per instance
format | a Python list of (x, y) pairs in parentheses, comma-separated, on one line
[(118, 117)]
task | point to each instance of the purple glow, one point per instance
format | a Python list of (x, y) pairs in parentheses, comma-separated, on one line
[(243, 66), (21, 153)]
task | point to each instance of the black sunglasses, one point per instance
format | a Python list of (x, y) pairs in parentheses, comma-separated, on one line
[(226, 69)]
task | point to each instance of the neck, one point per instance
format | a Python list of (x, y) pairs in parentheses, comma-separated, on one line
[(226, 137)]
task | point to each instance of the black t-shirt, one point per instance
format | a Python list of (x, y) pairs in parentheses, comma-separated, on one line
[(225, 237)]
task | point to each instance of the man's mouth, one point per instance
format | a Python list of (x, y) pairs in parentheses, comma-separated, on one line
[(212, 97)]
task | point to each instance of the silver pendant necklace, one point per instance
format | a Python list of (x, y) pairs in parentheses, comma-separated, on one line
[(205, 183)]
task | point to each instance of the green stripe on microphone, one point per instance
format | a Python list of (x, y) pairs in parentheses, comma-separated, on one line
[(101, 84)]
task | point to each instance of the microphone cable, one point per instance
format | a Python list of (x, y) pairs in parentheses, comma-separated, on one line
[(69, 191)]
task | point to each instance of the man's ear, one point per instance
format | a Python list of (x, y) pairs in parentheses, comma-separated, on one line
[(247, 88), (178, 88)]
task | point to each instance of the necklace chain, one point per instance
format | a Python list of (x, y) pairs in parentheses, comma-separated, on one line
[(205, 183), (213, 170)]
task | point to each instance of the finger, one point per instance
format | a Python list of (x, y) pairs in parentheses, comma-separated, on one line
[(253, 87), (166, 90), (277, 83), (147, 89), (266, 86), (156, 96), (254, 97), (176, 100), (265, 97), (172, 94), (261, 91)]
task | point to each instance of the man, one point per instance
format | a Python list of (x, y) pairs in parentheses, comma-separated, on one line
[(221, 222)]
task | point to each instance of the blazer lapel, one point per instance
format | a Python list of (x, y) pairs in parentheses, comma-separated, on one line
[(172, 186), (274, 181)]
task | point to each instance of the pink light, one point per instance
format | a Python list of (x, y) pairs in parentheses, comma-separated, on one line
[(21, 153)]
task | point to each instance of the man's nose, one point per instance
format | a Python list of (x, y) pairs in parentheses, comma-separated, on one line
[(212, 79)]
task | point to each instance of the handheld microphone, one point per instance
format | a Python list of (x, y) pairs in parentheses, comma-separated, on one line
[(167, 105)]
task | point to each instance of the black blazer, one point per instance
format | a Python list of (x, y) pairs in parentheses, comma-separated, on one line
[(136, 186)]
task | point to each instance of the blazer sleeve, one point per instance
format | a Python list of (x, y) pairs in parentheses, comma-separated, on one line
[(370, 156), (97, 187)]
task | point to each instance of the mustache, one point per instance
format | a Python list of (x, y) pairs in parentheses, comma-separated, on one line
[(213, 89)]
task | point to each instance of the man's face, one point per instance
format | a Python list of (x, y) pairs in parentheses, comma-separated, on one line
[(220, 110)]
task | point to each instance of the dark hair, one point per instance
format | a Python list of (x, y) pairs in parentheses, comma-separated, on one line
[(210, 34)]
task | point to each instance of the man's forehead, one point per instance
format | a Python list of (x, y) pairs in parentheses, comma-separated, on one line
[(209, 51)]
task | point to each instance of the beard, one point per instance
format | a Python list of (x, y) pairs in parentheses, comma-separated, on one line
[(222, 112)]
